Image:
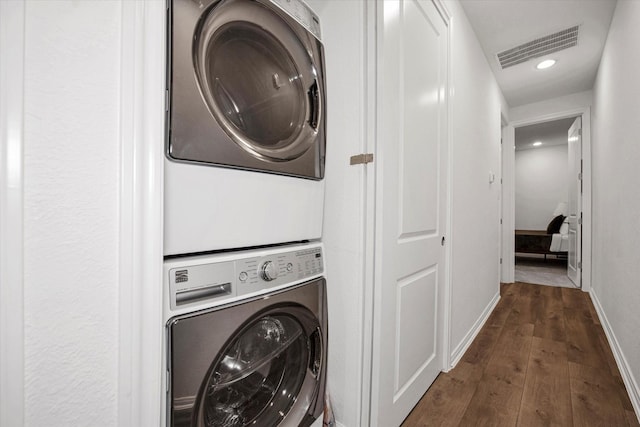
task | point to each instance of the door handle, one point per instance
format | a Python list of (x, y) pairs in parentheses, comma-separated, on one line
[(314, 105), (442, 241), (315, 361)]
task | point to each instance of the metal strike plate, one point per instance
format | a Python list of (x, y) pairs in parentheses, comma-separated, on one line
[(361, 159)]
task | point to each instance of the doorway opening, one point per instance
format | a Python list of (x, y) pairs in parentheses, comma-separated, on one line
[(541, 170), (534, 202)]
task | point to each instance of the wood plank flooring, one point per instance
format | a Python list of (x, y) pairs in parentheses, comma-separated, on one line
[(541, 359)]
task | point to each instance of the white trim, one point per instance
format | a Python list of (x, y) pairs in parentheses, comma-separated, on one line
[(459, 351), (446, 17), (623, 366), (585, 113), (447, 300), (370, 105), (12, 28), (142, 91), (587, 248), (508, 205)]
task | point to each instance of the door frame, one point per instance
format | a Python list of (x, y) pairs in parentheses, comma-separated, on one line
[(12, 52), (508, 226), (507, 205), (574, 151), (140, 396)]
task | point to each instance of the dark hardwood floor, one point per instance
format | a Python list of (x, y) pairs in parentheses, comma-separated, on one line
[(541, 359)]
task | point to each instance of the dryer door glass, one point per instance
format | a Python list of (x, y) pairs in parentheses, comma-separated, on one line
[(255, 84), (257, 378), (258, 81)]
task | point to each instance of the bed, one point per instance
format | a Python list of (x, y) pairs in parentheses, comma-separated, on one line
[(552, 241)]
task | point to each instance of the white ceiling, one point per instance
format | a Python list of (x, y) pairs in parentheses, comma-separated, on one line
[(549, 133), (503, 24)]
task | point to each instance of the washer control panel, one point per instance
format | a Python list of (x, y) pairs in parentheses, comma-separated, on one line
[(202, 279), (254, 274)]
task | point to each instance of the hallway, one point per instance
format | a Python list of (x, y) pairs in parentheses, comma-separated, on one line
[(542, 358)]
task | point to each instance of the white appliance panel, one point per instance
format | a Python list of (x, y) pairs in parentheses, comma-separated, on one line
[(209, 208)]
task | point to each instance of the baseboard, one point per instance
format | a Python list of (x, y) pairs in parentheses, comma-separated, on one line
[(625, 370), (461, 348)]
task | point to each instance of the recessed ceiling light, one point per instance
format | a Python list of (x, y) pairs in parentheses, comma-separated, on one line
[(546, 64), (537, 144)]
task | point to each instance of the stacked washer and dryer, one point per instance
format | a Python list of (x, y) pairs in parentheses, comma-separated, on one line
[(244, 290)]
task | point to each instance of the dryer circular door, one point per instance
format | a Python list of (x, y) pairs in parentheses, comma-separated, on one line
[(269, 371), (247, 88)]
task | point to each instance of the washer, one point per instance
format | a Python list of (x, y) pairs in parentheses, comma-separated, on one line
[(246, 336), (245, 145)]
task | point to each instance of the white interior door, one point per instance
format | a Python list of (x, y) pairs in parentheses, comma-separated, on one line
[(574, 263), (411, 206)]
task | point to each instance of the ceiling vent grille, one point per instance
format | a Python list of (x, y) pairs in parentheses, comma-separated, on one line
[(539, 47)]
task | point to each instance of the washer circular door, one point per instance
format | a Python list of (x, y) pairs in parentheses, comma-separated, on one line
[(257, 79), (261, 372), (256, 362)]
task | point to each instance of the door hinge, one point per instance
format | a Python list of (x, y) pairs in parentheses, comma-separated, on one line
[(361, 159), (580, 265), (500, 220), (500, 260), (580, 219), (580, 131)]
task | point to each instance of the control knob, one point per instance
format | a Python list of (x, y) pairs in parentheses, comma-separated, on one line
[(269, 271)]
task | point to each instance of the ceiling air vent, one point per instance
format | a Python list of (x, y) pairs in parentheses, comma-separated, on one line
[(539, 47)]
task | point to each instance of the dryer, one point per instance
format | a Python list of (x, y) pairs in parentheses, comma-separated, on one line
[(245, 338), (245, 143)]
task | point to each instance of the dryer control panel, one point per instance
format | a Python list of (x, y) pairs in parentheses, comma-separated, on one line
[(218, 278)]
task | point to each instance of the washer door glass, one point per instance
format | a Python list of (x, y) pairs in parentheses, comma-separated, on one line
[(260, 88), (257, 378)]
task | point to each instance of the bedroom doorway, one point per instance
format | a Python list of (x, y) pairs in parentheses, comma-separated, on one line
[(541, 203), (522, 117)]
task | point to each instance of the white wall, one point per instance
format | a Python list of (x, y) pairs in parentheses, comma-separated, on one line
[(616, 206), (343, 234), (475, 138), (71, 160), (538, 111), (541, 182)]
